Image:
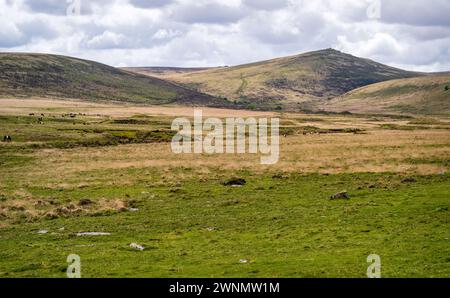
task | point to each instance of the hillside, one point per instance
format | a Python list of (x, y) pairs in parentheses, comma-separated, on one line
[(42, 75), (422, 95), (294, 80), (162, 72)]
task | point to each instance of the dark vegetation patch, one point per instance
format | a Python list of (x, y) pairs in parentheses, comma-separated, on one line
[(316, 130), (235, 182)]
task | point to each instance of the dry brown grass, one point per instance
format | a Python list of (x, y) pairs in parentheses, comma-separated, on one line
[(376, 151), (10, 106)]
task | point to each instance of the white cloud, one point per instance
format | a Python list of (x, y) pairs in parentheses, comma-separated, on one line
[(414, 35), (106, 40)]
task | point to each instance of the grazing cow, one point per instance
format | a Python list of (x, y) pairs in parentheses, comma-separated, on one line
[(7, 138)]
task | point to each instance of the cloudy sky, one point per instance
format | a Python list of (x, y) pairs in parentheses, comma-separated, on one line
[(412, 34)]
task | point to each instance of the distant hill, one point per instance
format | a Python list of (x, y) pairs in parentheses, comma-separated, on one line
[(42, 75), (421, 95), (299, 79)]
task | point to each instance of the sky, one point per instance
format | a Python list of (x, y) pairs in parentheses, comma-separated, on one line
[(413, 35)]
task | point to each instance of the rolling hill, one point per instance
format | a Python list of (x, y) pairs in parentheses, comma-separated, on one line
[(289, 81), (43, 75), (421, 95)]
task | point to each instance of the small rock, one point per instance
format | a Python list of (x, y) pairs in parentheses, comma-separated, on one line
[(137, 246), (133, 209), (340, 196), (409, 180), (235, 182), (210, 229), (85, 202), (61, 229), (93, 234), (243, 261), (42, 232)]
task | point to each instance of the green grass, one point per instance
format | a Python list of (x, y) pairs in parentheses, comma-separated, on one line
[(285, 227), (57, 131)]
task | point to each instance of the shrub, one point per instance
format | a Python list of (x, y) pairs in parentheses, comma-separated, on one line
[(446, 88)]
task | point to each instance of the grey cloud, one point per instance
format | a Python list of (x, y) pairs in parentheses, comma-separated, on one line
[(266, 4), (208, 13), (416, 12), (300, 27), (151, 3), (55, 7), (414, 33), (23, 33), (59, 7), (142, 34)]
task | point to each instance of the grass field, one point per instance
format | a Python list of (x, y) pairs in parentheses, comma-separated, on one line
[(87, 167)]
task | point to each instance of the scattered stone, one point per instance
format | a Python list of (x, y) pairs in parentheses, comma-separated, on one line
[(85, 202), (243, 261), (235, 182), (62, 210), (42, 232), (84, 245), (175, 190), (40, 203), (210, 229), (340, 196), (61, 229), (133, 209), (409, 180), (93, 234), (137, 246), (51, 215)]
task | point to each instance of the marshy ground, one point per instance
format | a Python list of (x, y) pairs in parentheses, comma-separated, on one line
[(76, 167)]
